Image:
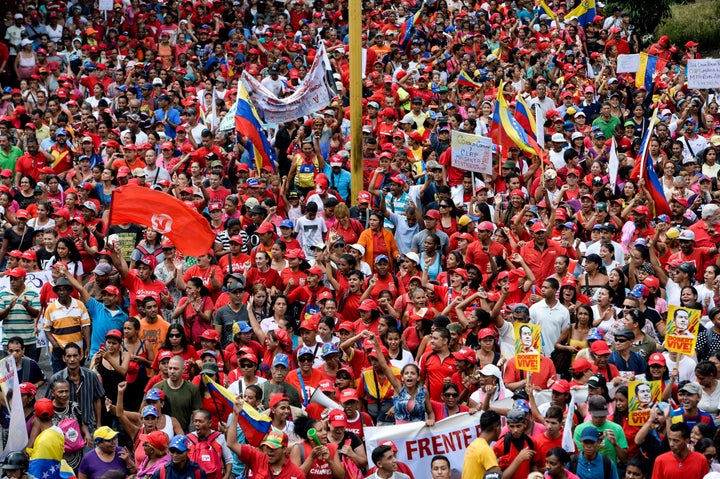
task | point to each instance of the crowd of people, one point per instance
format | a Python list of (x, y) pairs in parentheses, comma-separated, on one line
[(333, 312)]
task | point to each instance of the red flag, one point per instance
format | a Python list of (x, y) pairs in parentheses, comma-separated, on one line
[(166, 214)]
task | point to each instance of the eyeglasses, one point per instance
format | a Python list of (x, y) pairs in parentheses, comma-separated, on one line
[(247, 365), (306, 360), (174, 335), (451, 395)]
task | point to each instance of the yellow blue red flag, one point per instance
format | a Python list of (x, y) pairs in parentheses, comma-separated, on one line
[(247, 122), (254, 425)]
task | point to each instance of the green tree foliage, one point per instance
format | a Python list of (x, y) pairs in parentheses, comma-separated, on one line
[(646, 15)]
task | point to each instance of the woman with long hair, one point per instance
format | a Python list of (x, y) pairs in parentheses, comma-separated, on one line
[(196, 310), (177, 343), (450, 404), (141, 358), (67, 252), (313, 458), (620, 417), (25, 195), (111, 365), (43, 220), (574, 337), (448, 216)]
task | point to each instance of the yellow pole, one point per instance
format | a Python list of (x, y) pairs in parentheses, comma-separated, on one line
[(355, 13)]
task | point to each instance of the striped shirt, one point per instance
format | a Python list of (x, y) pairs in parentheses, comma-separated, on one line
[(18, 322), (66, 323), (85, 393)]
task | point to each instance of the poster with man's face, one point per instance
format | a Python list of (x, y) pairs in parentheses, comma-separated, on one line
[(642, 397), (682, 329), (527, 347)]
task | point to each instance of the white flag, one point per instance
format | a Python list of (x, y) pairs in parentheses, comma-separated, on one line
[(613, 164), (10, 385), (567, 437)]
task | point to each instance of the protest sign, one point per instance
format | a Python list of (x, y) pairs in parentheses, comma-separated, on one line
[(417, 443), (703, 73), (682, 329), (9, 385), (471, 152), (528, 343), (642, 396), (628, 63)]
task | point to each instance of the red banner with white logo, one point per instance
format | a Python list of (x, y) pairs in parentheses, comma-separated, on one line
[(181, 223)]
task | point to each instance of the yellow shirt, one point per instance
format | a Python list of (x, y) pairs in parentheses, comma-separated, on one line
[(479, 458)]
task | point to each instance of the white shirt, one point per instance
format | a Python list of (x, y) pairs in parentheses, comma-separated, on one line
[(552, 320)]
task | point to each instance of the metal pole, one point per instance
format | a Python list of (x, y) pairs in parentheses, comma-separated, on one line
[(356, 87)]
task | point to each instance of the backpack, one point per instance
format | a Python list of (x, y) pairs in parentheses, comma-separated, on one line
[(607, 466), (208, 454), (74, 440)]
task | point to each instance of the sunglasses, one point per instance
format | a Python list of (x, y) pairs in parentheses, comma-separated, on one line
[(306, 360), (621, 340), (174, 335), (451, 395), (247, 365)]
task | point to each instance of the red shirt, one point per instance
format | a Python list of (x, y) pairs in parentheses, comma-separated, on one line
[(237, 263), (700, 258), (542, 263), (269, 278), (435, 370), (547, 372), (504, 460), (668, 466), (136, 287), (30, 165), (476, 254), (258, 467), (542, 445)]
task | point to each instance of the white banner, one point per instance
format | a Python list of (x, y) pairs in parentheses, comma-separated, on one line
[(471, 152), (628, 63), (703, 73), (311, 96), (9, 384), (417, 443)]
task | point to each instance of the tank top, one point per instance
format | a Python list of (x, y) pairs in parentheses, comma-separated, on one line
[(168, 429)]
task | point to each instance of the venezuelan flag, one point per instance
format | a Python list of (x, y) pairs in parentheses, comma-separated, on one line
[(649, 66), (645, 169), (510, 125), (585, 12), (46, 456), (406, 30), (524, 116), (464, 79), (254, 425), (247, 122)]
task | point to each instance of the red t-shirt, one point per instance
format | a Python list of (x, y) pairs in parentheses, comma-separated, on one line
[(435, 370), (504, 460), (258, 466), (138, 288)]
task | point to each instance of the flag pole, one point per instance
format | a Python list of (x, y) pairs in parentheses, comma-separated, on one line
[(356, 163)]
